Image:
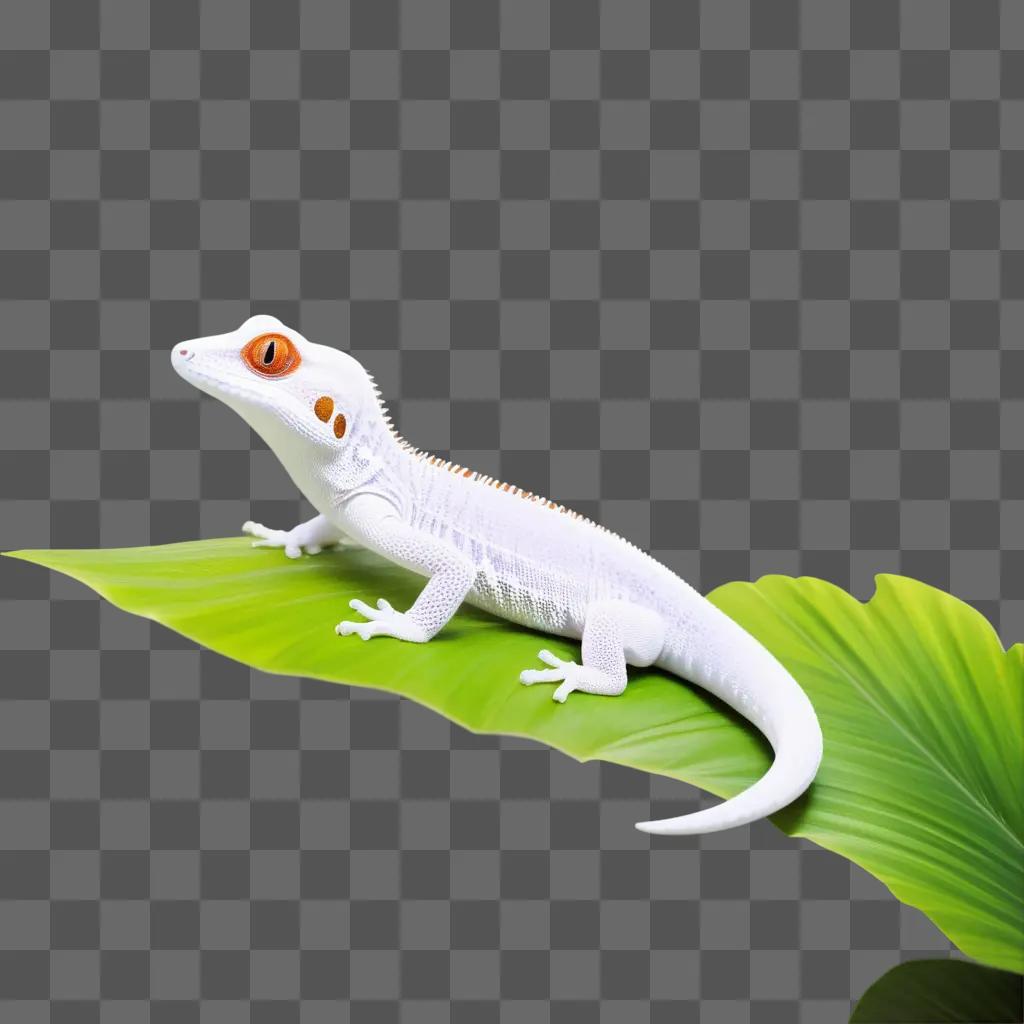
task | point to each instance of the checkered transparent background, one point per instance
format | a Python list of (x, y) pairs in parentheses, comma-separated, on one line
[(742, 280)]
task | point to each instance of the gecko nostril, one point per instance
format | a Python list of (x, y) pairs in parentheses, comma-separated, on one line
[(182, 351)]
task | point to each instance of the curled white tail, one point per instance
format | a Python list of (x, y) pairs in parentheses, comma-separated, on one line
[(736, 668)]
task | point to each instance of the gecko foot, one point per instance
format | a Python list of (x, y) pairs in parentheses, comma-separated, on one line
[(384, 620), (294, 541), (564, 672), (585, 678)]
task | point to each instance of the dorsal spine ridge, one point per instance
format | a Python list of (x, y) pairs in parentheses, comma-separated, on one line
[(479, 478)]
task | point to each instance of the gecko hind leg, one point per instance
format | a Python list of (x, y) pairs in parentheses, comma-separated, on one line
[(615, 634)]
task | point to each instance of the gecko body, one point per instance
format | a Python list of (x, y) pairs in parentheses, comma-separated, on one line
[(516, 554)]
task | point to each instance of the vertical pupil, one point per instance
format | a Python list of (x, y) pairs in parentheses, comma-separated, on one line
[(268, 353)]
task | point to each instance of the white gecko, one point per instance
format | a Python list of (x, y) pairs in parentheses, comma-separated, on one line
[(513, 553)]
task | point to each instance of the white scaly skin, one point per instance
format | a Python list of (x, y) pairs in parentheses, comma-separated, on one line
[(512, 553)]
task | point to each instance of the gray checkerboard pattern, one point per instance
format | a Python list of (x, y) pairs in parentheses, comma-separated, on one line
[(745, 281)]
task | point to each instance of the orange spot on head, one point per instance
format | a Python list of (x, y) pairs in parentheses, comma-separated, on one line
[(323, 407), (467, 472), (340, 425)]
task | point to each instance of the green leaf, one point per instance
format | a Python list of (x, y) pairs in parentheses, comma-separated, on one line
[(921, 710), (919, 704), (942, 992)]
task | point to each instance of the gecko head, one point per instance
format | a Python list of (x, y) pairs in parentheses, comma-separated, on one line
[(280, 383)]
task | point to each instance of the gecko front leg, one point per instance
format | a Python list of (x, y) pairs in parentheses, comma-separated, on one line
[(374, 522), (312, 536)]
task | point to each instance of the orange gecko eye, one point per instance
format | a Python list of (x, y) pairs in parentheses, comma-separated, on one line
[(271, 355)]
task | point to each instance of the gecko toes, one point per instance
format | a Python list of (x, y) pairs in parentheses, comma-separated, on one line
[(529, 676), (550, 659), (383, 621), (561, 671), (363, 608), (257, 530), (563, 691)]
